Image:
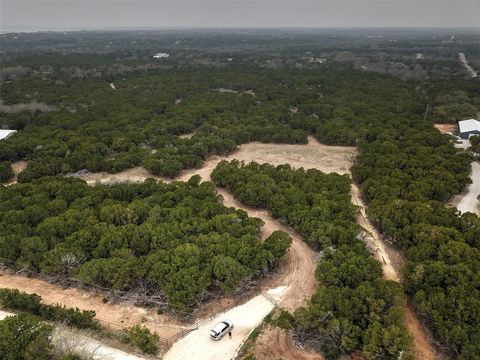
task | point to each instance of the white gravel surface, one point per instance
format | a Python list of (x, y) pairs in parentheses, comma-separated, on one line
[(469, 201), (198, 345), (70, 340)]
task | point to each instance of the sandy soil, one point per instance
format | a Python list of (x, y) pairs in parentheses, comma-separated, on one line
[(463, 60), (18, 167), (373, 239), (113, 315), (296, 275), (68, 339), (422, 346), (198, 345), (315, 155), (274, 344), (186, 136), (392, 262), (446, 128)]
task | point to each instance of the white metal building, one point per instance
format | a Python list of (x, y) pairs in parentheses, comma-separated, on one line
[(6, 133), (469, 127)]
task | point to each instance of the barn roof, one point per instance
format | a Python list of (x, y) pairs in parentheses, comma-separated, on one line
[(469, 125), (6, 133)]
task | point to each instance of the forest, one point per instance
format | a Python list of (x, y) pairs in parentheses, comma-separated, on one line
[(90, 126), (175, 243), (407, 170), (354, 308)]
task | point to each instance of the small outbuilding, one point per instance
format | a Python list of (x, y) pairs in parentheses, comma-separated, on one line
[(4, 134), (467, 128)]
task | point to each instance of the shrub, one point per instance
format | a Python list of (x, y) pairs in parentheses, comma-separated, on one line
[(141, 337)]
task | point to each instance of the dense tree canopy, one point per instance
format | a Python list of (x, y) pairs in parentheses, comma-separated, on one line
[(353, 308), (176, 240), (407, 170)]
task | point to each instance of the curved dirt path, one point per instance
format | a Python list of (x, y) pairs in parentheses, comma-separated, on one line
[(392, 262), (295, 281)]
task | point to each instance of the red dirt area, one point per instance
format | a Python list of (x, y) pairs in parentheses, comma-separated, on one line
[(421, 346), (274, 344), (446, 128)]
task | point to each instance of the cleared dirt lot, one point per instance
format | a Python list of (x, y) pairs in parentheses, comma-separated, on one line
[(119, 314), (275, 343), (446, 128), (313, 155)]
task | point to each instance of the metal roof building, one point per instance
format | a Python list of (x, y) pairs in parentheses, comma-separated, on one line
[(467, 128), (6, 133)]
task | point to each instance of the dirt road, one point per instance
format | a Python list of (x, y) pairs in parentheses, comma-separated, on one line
[(70, 340), (121, 314), (295, 282), (463, 60), (391, 262), (373, 239), (297, 272), (469, 200), (198, 345)]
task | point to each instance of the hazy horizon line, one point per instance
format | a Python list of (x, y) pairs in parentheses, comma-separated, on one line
[(26, 29)]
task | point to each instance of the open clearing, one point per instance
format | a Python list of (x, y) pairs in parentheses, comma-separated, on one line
[(446, 128), (114, 315), (313, 155), (18, 167), (275, 343), (468, 200)]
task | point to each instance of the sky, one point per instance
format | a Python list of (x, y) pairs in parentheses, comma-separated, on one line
[(30, 15)]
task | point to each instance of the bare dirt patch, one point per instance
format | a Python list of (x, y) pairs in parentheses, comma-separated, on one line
[(186, 136), (109, 314), (392, 262), (18, 167), (446, 128), (422, 347), (313, 155), (274, 343)]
